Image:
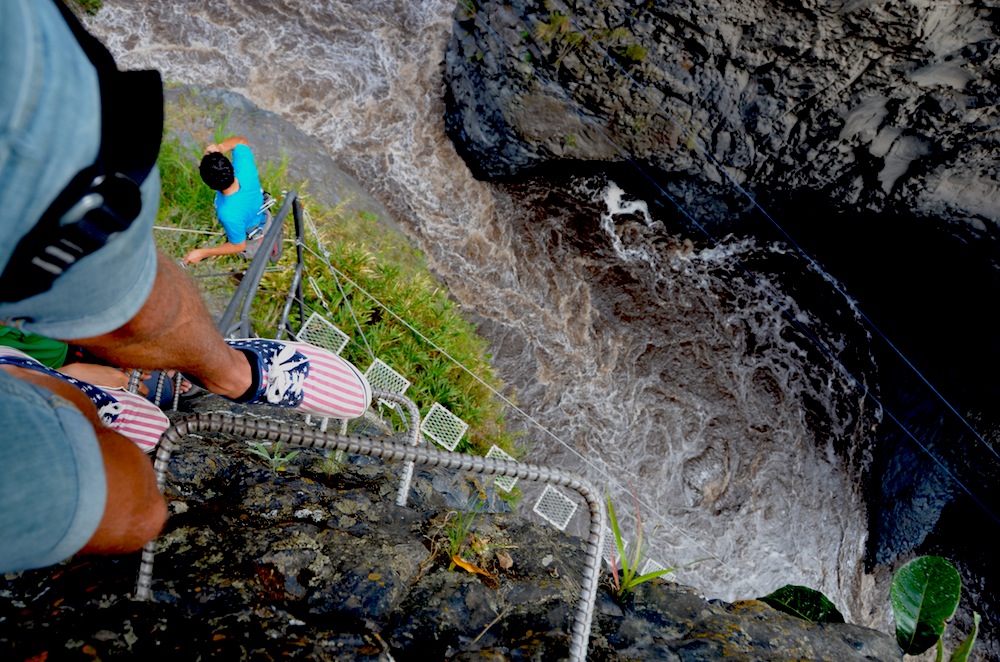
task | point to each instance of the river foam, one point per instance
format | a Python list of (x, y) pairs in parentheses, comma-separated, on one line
[(653, 366)]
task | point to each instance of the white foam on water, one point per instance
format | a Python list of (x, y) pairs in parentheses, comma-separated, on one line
[(613, 198), (685, 388)]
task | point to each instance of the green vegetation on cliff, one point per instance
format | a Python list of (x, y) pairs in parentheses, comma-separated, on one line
[(85, 6), (383, 280)]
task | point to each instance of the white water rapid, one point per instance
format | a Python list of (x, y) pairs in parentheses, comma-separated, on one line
[(657, 365)]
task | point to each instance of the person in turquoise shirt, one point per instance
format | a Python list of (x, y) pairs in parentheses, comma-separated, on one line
[(239, 199)]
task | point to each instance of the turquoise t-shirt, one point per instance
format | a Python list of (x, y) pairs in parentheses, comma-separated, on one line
[(240, 212)]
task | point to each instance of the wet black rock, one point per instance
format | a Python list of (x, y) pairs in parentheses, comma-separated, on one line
[(876, 106), (312, 559)]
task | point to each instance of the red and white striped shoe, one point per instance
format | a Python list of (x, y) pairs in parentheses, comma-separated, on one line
[(304, 377), (127, 413), (135, 417)]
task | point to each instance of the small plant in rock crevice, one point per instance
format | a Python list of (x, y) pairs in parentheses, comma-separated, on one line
[(453, 537), (625, 583), (275, 458), (633, 53), (458, 530), (333, 463), (559, 34)]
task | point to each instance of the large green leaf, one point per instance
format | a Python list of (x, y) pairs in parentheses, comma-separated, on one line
[(804, 602), (924, 594)]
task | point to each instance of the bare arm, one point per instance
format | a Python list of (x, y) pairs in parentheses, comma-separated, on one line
[(135, 510), (227, 145), (198, 254)]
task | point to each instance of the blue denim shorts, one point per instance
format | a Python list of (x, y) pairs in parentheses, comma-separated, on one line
[(52, 482), (50, 130), (52, 485)]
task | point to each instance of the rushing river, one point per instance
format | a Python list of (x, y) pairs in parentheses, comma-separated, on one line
[(654, 363)]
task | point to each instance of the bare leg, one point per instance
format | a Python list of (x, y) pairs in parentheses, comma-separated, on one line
[(135, 511), (174, 330)]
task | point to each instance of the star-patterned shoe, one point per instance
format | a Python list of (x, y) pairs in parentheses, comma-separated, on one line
[(304, 377), (127, 413)]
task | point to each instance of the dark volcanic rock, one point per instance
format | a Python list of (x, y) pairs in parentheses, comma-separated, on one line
[(315, 561), (879, 106)]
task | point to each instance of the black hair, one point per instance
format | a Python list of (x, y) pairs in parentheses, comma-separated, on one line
[(217, 171)]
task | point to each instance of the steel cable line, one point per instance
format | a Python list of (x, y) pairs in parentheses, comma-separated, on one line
[(771, 297), (694, 141), (326, 259)]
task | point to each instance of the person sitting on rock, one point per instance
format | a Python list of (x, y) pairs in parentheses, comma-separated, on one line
[(239, 201)]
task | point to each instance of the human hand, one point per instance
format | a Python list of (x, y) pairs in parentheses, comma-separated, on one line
[(212, 149), (193, 257), (185, 384)]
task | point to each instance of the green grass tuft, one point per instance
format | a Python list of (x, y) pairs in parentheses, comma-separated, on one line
[(90, 7)]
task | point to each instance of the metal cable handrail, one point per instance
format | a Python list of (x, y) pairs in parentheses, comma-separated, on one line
[(247, 289)]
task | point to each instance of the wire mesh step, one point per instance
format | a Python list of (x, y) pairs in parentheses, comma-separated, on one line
[(321, 332), (384, 378), (555, 508), (505, 483), (443, 427)]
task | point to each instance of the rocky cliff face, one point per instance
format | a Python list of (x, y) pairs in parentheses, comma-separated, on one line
[(315, 561), (876, 106)]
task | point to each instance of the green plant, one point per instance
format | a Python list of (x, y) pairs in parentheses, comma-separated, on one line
[(558, 33), (458, 530), (276, 459), (805, 603), (961, 654), (924, 594), (634, 53), (558, 26), (630, 577), (333, 463), (88, 6)]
